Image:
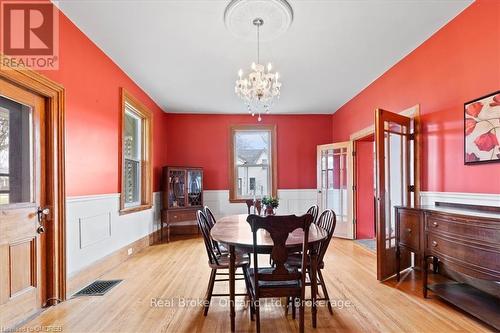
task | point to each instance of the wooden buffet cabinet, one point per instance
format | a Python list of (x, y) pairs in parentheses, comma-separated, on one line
[(182, 197), (456, 238)]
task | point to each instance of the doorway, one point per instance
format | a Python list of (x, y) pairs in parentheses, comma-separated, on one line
[(32, 199), (334, 165), (365, 192)]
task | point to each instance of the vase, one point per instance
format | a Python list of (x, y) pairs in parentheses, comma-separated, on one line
[(269, 210)]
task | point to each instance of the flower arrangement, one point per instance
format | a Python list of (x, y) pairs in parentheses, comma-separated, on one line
[(271, 204)]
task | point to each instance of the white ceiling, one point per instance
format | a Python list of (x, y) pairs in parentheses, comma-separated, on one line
[(181, 54)]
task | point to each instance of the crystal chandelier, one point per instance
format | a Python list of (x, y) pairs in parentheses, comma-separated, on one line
[(259, 88)]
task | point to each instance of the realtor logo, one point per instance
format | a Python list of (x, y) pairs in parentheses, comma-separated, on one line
[(29, 34)]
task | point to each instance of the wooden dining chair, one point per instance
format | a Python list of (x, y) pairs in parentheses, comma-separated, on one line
[(313, 210), (258, 205), (217, 261), (210, 216), (220, 248), (327, 221), (279, 280)]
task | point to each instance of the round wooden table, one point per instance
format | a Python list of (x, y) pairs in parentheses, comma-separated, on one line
[(235, 231)]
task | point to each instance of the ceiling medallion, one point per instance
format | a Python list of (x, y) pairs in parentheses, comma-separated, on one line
[(260, 87)]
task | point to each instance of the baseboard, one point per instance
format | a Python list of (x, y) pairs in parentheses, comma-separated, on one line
[(90, 273)]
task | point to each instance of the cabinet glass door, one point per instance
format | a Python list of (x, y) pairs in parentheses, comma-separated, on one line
[(194, 187), (176, 191)]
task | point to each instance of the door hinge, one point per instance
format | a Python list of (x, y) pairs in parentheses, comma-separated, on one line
[(411, 136), (353, 153), (354, 187), (411, 188)]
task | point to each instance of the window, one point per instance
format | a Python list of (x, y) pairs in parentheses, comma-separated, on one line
[(135, 169), (253, 162)]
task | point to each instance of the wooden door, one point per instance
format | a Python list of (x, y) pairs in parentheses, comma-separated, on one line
[(22, 176), (334, 165), (394, 182)]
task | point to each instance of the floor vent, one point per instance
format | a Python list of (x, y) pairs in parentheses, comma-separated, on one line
[(97, 288)]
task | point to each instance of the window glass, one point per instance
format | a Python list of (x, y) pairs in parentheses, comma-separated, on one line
[(16, 150), (252, 163), (132, 159)]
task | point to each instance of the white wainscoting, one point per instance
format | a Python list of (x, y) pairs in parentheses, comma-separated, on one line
[(95, 229), (291, 202), (429, 198)]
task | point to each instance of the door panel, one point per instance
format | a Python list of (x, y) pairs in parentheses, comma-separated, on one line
[(334, 167), (21, 179), (393, 157)]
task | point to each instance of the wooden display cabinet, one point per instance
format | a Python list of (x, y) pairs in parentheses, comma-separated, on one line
[(182, 197)]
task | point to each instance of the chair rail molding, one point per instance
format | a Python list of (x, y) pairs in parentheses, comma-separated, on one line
[(484, 199)]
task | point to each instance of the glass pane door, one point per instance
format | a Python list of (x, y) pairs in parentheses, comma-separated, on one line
[(333, 179), (392, 132), (176, 182), (195, 187)]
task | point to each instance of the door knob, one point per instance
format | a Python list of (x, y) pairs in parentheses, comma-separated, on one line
[(434, 243), (40, 229), (42, 212)]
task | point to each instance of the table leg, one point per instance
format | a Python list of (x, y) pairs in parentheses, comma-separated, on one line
[(232, 270), (314, 284)]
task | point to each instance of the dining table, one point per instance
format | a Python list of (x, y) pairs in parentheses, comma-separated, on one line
[(235, 232)]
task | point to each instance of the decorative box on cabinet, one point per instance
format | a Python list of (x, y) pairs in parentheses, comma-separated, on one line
[(463, 239), (182, 197)]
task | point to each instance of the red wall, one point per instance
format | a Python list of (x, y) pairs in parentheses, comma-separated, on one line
[(459, 63), (92, 84), (203, 140), (365, 210)]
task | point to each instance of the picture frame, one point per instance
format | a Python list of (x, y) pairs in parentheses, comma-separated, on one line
[(482, 129)]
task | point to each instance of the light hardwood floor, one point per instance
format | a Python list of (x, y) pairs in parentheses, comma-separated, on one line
[(178, 270)]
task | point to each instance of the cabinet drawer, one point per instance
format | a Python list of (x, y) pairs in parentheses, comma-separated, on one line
[(409, 229), (180, 216), (464, 253), (463, 227)]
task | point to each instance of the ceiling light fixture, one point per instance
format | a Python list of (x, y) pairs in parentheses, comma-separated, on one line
[(260, 87)]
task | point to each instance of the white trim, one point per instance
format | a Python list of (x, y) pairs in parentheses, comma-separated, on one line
[(82, 198), (485, 199)]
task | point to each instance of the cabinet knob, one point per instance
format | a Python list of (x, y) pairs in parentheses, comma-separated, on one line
[(435, 224), (434, 243), (408, 230)]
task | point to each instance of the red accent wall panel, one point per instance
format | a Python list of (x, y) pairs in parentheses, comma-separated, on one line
[(203, 140), (457, 64), (92, 82), (365, 209)]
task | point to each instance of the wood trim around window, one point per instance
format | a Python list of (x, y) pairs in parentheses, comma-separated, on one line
[(146, 158), (274, 157)]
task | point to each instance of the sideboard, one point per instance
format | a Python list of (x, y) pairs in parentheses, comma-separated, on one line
[(462, 238)]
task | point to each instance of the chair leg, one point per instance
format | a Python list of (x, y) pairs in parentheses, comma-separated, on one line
[(293, 307), (287, 303), (257, 315), (325, 292), (210, 290), (301, 316)]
